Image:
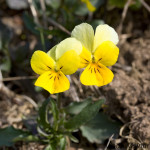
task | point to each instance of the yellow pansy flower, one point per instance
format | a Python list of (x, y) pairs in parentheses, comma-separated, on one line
[(98, 51), (89, 5), (62, 59)]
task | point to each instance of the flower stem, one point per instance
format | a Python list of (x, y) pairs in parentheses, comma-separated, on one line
[(59, 100)]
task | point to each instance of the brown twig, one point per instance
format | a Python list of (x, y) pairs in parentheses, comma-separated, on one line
[(109, 142), (42, 2), (51, 21), (12, 95), (18, 78), (124, 13), (73, 91), (59, 26), (34, 12), (145, 5)]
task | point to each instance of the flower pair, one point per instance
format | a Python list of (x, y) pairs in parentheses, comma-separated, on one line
[(83, 49)]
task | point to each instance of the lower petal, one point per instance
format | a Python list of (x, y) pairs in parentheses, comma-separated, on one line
[(90, 76), (96, 74), (53, 82), (85, 58), (106, 74)]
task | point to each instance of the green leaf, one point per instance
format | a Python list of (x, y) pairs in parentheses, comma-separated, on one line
[(100, 128), (84, 116), (9, 134), (75, 107), (43, 110)]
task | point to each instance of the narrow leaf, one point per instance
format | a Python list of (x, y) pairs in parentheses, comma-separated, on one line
[(54, 109), (42, 120), (63, 143)]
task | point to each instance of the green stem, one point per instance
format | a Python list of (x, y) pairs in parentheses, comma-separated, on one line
[(59, 101), (42, 39)]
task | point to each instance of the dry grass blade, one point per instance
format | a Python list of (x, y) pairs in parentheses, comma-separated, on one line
[(12, 95), (59, 26), (42, 3), (145, 5), (124, 13), (18, 78), (34, 12), (109, 142)]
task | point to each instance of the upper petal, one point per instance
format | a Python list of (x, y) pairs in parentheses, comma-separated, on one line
[(105, 33), (52, 52), (53, 82), (66, 45), (107, 53), (41, 62), (68, 63), (85, 34)]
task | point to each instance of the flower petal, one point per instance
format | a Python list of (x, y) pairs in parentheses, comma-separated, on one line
[(52, 52), (90, 76), (53, 82), (85, 58), (85, 34), (66, 45), (96, 74), (107, 53), (89, 5), (106, 74), (105, 33), (41, 62), (68, 63)]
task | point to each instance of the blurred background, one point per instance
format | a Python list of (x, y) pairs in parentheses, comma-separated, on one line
[(29, 25)]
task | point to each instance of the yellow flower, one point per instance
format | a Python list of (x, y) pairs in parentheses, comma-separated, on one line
[(89, 5), (62, 59), (98, 51)]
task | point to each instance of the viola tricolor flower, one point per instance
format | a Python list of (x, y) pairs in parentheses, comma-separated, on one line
[(89, 5), (98, 51), (62, 59)]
